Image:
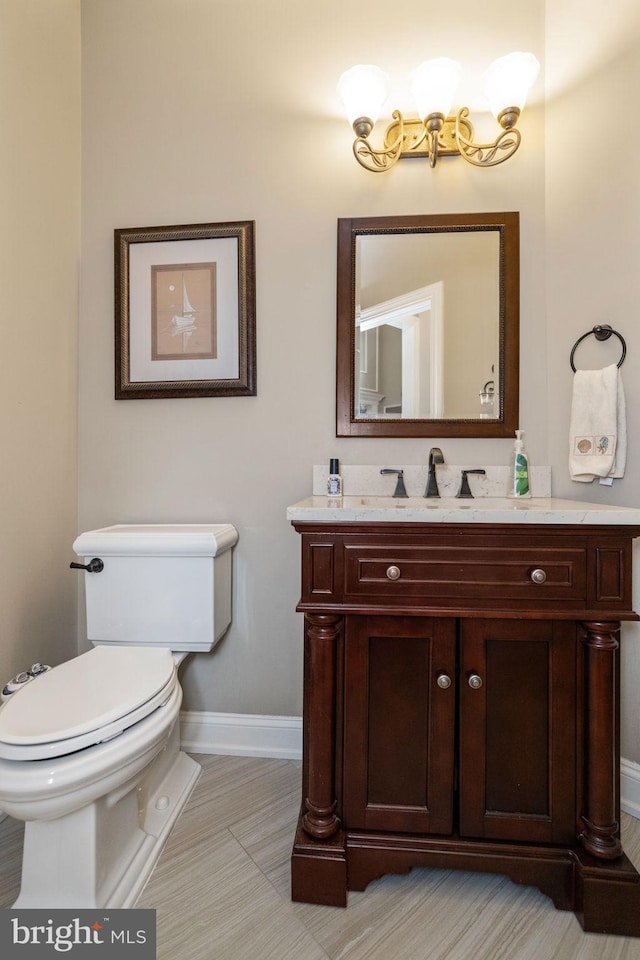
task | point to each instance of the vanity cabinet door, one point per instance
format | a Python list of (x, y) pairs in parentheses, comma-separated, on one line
[(518, 730), (399, 722)]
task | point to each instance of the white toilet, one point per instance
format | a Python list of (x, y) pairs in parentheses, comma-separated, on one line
[(90, 753)]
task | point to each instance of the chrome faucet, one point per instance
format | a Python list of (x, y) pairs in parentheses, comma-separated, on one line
[(435, 456)]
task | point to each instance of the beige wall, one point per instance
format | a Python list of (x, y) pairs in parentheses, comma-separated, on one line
[(211, 110), (592, 244), (39, 243)]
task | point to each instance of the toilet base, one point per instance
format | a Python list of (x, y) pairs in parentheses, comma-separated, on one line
[(103, 854)]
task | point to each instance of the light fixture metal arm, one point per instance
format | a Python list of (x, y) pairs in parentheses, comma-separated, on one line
[(379, 160), (488, 154), (433, 124)]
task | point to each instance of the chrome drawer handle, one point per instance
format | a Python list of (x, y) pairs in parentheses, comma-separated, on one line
[(538, 576), (475, 682), (393, 573), (443, 681)]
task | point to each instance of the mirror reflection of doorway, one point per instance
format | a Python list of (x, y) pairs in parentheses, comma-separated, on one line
[(391, 271), (399, 356)]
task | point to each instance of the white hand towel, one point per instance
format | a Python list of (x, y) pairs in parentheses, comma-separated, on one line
[(598, 431)]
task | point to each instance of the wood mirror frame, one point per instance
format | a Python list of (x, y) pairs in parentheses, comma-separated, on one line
[(505, 420)]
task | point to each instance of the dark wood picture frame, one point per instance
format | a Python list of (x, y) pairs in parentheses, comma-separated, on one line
[(224, 365)]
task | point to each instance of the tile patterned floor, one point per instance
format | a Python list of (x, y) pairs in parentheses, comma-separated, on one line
[(221, 891)]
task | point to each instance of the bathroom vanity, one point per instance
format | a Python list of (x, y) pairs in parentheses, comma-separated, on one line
[(461, 697)]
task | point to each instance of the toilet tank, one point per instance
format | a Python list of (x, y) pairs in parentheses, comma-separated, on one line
[(166, 585)]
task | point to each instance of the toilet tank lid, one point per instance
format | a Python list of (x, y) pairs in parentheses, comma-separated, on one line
[(157, 539)]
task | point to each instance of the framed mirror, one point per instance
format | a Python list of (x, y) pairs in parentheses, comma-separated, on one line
[(428, 326)]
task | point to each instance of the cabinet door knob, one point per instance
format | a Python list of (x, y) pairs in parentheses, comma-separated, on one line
[(475, 682), (443, 681), (393, 572), (538, 576)]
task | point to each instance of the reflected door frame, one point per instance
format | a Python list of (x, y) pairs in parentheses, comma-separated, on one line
[(419, 314)]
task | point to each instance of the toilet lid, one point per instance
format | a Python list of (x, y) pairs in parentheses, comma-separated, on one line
[(84, 701)]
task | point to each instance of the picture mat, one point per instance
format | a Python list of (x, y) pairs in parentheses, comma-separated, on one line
[(142, 256)]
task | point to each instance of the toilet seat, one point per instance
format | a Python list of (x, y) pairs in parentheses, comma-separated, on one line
[(85, 701)]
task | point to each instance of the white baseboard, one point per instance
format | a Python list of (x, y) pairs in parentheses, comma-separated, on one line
[(241, 735), (252, 735), (630, 787)]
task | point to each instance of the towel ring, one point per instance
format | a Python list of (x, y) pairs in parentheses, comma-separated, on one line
[(600, 332)]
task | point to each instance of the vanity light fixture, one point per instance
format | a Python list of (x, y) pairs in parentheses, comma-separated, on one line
[(363, 90)]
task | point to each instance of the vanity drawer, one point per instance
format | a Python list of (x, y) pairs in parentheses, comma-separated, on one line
[(536, 573)]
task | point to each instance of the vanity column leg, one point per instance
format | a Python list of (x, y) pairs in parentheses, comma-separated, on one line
[(322, 632), (600, 827)]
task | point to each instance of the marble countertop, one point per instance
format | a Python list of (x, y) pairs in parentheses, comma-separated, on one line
[(548, 510)]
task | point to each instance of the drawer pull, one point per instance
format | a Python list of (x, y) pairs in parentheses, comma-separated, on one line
[(443, 681), (393, 572), (538, 576), (475, 682)]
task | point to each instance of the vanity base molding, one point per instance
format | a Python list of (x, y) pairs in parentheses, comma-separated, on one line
[(604, 897), (461, 698)]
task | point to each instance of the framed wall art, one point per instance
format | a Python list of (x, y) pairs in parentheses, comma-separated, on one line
[(185, 311)]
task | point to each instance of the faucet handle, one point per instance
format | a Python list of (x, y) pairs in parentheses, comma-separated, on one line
[(435, 456), (465, 489), (400, 490)]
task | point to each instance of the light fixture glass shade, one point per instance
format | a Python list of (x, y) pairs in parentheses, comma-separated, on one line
[(363, 90), (509, 79), (434, 85)]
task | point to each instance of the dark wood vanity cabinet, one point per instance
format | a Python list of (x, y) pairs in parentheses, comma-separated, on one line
[(498, 721), (461, 709), (399, 742), (517, 768)]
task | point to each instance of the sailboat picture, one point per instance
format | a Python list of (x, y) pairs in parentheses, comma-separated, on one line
[(183, 311), (188, 312)]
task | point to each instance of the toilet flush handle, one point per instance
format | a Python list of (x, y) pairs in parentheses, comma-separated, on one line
[(94, 566)]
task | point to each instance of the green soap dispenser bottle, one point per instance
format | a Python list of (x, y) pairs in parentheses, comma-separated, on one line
[(519, 472)]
